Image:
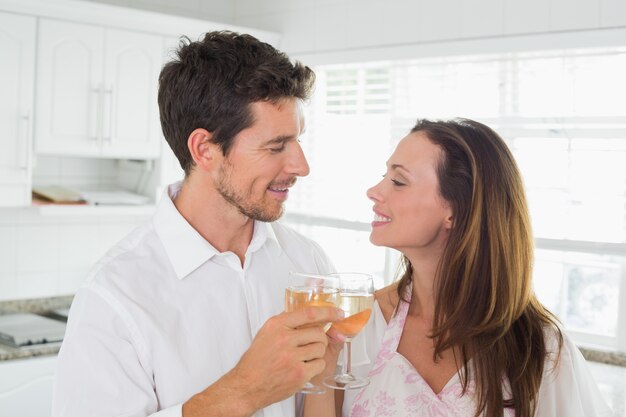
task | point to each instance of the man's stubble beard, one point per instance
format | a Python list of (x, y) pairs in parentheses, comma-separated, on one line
[(241, 201)]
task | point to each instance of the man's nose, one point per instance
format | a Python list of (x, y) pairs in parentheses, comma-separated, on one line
[(297, 164)]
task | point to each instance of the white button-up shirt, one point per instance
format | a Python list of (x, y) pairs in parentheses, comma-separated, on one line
[(164, 315)]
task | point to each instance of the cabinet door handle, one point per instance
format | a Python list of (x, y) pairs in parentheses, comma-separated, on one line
[(96, 113), (108, 118), (26, 140)]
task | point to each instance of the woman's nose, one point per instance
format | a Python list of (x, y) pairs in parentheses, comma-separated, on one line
[(373, 193)]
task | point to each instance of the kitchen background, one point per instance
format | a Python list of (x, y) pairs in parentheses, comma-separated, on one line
[(78, 120)]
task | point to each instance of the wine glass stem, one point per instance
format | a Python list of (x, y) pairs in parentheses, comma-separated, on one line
[(346, 367)]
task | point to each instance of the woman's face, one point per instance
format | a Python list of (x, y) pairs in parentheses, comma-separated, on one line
[(410, 214)]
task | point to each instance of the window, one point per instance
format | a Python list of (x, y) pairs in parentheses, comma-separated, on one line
[(562, 114)]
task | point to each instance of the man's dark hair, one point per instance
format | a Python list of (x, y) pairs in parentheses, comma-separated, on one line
[(212, 82)]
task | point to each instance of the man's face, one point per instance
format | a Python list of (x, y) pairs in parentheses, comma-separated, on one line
[(264, 161)]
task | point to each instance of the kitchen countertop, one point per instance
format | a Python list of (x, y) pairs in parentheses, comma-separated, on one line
[(35, 305), (606, 357), (8, 353)]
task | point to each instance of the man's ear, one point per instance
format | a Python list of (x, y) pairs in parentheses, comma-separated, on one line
[(202, 149)]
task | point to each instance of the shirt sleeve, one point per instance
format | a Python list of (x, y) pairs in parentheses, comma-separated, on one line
[(102, 367), (568, 387)]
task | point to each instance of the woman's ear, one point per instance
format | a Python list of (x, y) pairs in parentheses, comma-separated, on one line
[(448, 222), (202, 149)]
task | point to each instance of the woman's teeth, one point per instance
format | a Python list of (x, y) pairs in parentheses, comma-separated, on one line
[(379, 218)]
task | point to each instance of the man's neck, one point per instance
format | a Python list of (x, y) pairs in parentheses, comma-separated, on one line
[(217, 221)]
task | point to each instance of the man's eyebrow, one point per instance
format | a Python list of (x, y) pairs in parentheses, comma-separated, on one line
[(279, 139)]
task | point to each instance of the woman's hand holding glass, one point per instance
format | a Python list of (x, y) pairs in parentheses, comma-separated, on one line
[(355, 298)]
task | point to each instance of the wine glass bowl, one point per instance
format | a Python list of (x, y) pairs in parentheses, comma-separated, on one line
[(356, 298), (306, 290)]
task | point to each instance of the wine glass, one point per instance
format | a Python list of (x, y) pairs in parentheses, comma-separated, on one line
[(305, 290), (356, 297)]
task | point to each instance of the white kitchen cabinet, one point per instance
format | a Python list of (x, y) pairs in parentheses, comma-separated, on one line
[(17, 66), (26, 386), (96, 91)]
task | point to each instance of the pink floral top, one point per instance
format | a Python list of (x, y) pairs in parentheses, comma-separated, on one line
[(396, 389)]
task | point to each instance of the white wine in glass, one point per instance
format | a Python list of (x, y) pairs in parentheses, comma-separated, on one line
[(304, 290), (356, 298)]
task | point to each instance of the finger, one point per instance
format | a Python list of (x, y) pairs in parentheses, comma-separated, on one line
[(335, 336), (313, 368), (312, 315), (307, 335), (311, 352)]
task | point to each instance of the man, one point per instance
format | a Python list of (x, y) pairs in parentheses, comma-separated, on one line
[(183, 317)]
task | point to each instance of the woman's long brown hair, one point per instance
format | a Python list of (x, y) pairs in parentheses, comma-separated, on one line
[(485, 308)]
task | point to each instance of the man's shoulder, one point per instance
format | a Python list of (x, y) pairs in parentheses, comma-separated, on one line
[(126, 256)]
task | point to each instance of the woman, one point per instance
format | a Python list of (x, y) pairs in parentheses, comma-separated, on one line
[(461, 333)]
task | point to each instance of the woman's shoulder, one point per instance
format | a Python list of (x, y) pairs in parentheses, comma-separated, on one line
[(562, 354), (387, 298), (567, 376)]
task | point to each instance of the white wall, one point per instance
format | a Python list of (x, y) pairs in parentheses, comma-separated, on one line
[(215, 10), (317, 26), (49, 255), (323, 26)]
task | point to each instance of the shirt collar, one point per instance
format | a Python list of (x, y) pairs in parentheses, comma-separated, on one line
[(185, 247), (263, 232)]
